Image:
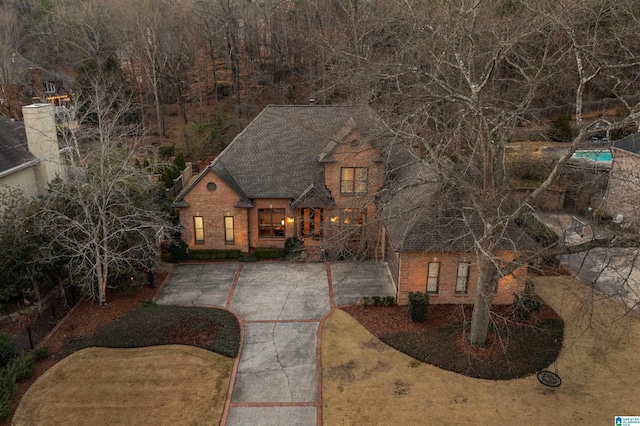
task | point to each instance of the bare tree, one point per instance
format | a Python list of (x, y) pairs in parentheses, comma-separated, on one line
[(461, 77), (11, 39), (106, 219)]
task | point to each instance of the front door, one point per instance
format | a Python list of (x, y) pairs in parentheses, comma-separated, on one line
[(311, 222)]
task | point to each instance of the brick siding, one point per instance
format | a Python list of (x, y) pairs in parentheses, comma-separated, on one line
[(413, 277), (623, 194), (213, 206)]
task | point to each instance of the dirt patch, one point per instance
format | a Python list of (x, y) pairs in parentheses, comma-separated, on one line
[(401, 388), (344, 372)]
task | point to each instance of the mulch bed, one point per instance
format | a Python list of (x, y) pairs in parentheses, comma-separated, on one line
[(514, 349)]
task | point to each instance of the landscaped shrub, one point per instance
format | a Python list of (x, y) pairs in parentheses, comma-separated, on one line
[(8, 391), (378, 301), (249, 258), (40, 353), (22, 367), (178, 251), (7, 349), (18, 369), (269, 253), (525, 304), (293, 247), (561, 129), (166, 151), (418, 306), (213, 254)]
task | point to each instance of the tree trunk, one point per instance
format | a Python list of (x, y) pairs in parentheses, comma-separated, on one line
[(36, 292), (481, 317)]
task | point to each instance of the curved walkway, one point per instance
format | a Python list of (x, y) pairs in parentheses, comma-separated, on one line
[(277, 378)]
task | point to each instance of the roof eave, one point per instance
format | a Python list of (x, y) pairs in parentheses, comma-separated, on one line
[(16, 169)]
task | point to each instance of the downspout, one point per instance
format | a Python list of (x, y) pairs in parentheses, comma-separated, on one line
[(248, 229)]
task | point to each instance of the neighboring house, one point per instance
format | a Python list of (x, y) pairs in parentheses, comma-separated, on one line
[(29, 151), (430, 244), (295, 171), (331, 175), (44, 84), (623, 192), (25, 82)]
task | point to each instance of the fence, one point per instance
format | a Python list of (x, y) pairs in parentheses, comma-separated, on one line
[(552, 112), (180, 181), (42, 325)]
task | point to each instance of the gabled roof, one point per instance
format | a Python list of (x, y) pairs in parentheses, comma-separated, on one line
[(278, 154), (223, 174), (630, 143), (313, 197), (14, 153), (408, 194)]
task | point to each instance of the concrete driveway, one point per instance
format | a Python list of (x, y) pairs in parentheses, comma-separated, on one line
[(281, 304), (614, 272)]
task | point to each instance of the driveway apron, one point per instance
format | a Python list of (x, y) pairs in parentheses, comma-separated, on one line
[(281, 304)]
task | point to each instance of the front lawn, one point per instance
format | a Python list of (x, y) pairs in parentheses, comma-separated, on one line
[(160, 385), (367, 382), (155, 365)]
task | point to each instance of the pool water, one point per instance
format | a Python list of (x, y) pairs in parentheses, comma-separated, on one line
[(603, 156)]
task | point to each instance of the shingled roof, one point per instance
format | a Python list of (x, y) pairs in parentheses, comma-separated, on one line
[(422, 213), (14, 154), (630, 143), (280, 153)]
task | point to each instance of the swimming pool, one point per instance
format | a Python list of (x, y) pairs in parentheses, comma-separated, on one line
[(599, 156)]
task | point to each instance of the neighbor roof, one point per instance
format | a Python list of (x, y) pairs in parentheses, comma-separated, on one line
[(280, 153), (47, 75), (14, 153), (630, 143)]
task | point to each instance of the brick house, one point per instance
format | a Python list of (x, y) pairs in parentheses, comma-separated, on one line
[(623, 190), (430, 245), (309, 171), (332, 176)]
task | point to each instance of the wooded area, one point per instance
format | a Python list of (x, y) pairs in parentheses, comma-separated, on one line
[(454, 80)]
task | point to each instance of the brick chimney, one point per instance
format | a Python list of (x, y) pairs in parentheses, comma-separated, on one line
[(35, 75)]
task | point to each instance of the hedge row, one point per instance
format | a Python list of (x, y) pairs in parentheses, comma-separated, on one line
[(213, 254)]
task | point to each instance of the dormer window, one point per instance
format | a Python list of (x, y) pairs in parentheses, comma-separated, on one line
[(353, 180), (49, 88)]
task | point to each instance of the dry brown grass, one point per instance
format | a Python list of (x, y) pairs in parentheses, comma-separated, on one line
[(368, 383), (166, 385)]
